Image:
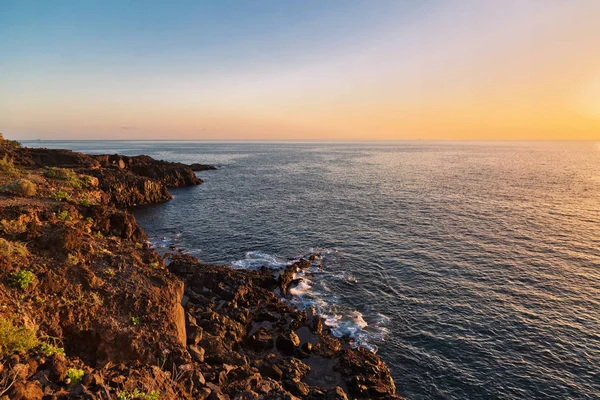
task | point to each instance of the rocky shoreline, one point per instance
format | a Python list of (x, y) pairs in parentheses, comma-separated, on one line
[(89, 310)]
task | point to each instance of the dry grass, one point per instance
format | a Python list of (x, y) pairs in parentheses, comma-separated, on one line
[(9, 248), (14, 338), (7, 167), (13, 227), (21, 187)]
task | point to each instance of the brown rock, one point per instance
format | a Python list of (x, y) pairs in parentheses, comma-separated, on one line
[(271, 371), (179, 314), (297, 388), (261, 340), (194, 334), (26, 391), (336, 394), (58, 368), (197, 353), (286, 343)]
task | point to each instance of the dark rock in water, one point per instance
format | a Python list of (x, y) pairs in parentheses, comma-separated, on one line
[(307, 347), (202, 167), (286, 278)]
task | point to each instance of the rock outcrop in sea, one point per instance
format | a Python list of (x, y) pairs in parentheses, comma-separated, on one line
[(89, 310)]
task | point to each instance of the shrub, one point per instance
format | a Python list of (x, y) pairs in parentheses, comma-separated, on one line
[(58, 173), (85, 203), (137, 394), (8, 248), (50, 349), (21, 187), (109, 272), (13, 339), (11, 143), (13, 227), (64, 216), (61, 195), (7, 167), (22, 279), (72, 260), (65, 174), (75, 375)]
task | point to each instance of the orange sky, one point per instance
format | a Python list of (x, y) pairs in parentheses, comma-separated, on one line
[(451, 70)]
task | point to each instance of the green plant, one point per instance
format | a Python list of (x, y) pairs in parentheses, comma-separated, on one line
[(135, 320), (61, 195), (75, 375), (22, 279), (50, 349), (85, 202), (13, 339), (90, 220), (12, 143), (8, 248), (98, 234), (64, 216), (21, 187), (89, 180), (139, 245), (138, 394), (109, 272), (72, 260), (58, 173), (154, 264), (7, 167), (13, 227), (68, 175)]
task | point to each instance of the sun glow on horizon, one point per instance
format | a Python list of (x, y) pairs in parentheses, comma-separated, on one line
[(341, 71)]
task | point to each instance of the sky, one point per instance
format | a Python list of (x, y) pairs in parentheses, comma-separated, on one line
[(300, 69)]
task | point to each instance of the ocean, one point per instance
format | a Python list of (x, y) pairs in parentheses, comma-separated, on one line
[(472, 268)]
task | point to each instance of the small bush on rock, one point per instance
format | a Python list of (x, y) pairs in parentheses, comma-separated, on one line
[(75, 375), (7, 167), (50, 349), (13, 339), (8, 248), (22, 279), (21, 187), (64, 216), (13, 227), (138, 394), (61, 195)]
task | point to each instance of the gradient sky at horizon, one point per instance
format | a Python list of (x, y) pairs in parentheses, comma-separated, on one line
[(389, 70)]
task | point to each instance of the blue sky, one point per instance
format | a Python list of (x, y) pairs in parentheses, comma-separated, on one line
[(300, 69)]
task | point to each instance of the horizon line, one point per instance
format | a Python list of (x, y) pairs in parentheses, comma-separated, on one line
[(305, 140)]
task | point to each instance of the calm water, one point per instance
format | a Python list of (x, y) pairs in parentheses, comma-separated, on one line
[(473, 268)]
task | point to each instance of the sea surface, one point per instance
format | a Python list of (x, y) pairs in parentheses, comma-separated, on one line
[(472, 268)]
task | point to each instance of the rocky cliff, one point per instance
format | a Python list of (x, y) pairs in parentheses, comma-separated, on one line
[(88, 310)]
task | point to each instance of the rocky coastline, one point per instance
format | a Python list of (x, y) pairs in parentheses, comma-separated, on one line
[(88, 310)]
